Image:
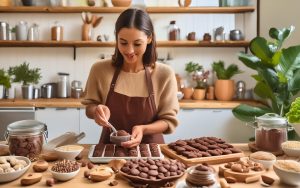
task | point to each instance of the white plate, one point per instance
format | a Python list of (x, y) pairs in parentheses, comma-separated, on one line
[(6, 177), (103, 159)]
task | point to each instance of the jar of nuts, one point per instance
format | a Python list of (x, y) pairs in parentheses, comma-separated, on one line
[(26, 138)]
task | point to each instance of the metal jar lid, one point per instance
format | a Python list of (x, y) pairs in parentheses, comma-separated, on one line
[(271, 120), (28, 127)]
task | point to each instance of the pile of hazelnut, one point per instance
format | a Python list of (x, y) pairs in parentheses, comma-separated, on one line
[(65, 166)]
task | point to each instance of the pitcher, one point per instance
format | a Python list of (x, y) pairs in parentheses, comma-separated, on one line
[(21, 30)]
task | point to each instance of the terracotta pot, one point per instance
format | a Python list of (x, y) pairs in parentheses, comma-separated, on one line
[(121, 3), (187, 92), (199, 94), (224, 90), (87, 32)]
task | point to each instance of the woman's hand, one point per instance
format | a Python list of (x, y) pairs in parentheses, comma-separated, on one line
[(136, 137), (102, 115)]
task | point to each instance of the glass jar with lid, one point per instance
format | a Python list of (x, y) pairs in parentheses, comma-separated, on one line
[(26, 138), (173, 31), (270, 132)]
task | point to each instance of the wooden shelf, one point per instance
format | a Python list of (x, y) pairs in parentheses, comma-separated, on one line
[(78, 44), (196, 10)]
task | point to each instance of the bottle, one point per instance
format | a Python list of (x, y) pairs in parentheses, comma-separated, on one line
[(57, 32), (173, 31)]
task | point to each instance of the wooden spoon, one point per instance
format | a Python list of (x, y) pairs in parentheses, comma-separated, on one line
[(97, 21)]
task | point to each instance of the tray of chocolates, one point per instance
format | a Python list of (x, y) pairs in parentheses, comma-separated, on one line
[(148, 171), (210, 150), (103, 153)]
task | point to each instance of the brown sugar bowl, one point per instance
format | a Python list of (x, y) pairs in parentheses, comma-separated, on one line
[(119, 137)]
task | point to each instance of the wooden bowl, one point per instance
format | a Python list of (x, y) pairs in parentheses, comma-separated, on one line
[(121, 3)]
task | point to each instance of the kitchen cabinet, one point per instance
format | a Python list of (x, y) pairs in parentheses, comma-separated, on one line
[(89, 127), (58, 120), (210, 122)]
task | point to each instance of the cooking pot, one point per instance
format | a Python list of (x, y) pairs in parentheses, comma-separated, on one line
[(49, 90)]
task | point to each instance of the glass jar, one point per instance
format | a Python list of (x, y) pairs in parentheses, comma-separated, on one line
[(270, 132), (173, 31), (26, 138)]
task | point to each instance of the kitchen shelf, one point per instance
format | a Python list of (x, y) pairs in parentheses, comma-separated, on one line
[(193, 10), (81, 44), (76, 103)]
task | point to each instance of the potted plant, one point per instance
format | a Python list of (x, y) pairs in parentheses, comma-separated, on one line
[(278, 74), (224, 86), (4, 82), (192, 69), (201, 84), (22, 73)]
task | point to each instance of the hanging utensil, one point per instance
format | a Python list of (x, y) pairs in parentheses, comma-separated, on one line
[(96, 21), (83, 17), (88, 17)]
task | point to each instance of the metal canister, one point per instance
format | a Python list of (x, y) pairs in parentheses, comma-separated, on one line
[(4, 31), (57, 33)]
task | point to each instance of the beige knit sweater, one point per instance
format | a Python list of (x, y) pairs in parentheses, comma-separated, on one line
[(134, 84)]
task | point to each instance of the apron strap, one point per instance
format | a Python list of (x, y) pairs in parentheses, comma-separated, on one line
[(113, 81), (150, 89)]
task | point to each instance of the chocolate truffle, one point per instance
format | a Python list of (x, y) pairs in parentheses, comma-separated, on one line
[(122, 133)]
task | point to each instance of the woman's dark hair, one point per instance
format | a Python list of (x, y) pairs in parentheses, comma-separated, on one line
[(139, 19)]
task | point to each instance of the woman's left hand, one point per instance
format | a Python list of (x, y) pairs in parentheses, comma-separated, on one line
[(136, 137)]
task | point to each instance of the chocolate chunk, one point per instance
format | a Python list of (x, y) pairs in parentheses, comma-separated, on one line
[(113, 183), (134, 171)]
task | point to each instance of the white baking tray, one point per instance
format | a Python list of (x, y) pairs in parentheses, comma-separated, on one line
[(103, 159)]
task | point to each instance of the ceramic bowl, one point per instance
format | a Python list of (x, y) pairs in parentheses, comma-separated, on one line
[(267, 163), (10, 176), (287, 176), (64, 176), (121, 3), (68, 151), (291, 148), (179, 95), (119, 139)]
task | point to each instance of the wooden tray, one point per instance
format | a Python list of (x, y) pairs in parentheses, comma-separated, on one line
[(240, 177), (209, 160)]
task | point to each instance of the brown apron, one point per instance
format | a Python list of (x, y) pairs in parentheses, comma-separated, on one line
[(127, 112)]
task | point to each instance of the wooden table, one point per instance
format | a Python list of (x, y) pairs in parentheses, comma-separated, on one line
[(80, 182)]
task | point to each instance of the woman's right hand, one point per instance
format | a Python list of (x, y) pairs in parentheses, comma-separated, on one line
[(102, 115)]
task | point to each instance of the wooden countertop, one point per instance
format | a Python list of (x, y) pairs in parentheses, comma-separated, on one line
[(75, 103), (79, 181)]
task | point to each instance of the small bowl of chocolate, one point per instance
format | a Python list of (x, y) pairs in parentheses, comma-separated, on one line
[(65, 170), (119, 137)]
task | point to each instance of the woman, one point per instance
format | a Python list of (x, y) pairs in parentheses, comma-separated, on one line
[(132, 91)]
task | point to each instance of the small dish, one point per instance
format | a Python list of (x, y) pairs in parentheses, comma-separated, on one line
[(64, 176), (68, 151), (119, 139), (288, 171), (4, 149), (265, 158), (10, 176), (291, 148)]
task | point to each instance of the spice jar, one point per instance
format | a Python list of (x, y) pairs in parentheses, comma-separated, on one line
[(270, 132), (57, 32), (173, 31), (26, 138)]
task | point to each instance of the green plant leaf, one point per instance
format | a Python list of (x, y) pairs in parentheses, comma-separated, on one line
[(225, 73), (281, 34), (264, 91), (270, 77), (260, 48), (289, 61), (294, 83), (249, 60), (22, 73), (257, 77), (4, 79), (248, 113)]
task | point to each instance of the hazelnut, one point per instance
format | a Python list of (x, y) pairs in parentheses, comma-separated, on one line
[(90, 165), (86, 174), (50, 182)]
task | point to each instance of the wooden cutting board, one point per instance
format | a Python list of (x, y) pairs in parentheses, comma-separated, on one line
[(209, 160)]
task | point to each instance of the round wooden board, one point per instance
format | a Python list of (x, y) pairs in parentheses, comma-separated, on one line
[(240, 177)]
